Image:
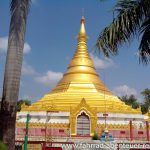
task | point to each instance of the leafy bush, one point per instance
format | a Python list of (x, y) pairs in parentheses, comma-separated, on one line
[(95, 137), (2, 146)]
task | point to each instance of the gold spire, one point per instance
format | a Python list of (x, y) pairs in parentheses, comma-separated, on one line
[(81, 70), (82, 28)]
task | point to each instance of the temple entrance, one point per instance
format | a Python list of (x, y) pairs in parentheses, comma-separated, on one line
[(83, 124)]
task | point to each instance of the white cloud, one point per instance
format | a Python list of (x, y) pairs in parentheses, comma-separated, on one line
[(27, 48), (102, 63), (4, 43), (124, 90), (27, 69), (49, 78), (27, 97), (21, 83)]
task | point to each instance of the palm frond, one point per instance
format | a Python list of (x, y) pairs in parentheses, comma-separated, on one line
[(144, 48), (130, 15)]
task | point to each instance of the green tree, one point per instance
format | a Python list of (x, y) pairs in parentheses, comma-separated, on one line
[(131, 18), (20, 102), (2, 146), (146, 105), (146, 95), (144, 108), (19, 11), (130, 100)]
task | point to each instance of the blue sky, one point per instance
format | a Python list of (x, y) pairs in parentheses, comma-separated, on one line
[(51, 33)]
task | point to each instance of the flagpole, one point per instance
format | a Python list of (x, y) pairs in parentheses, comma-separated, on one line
[(26, 135)]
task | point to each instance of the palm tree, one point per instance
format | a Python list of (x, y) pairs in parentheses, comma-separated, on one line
[(132, 18), (19, 10)]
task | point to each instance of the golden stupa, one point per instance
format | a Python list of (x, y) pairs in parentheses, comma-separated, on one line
[(80, 97), (81, 82)]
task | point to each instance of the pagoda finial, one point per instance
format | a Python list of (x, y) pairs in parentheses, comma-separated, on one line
[(82, 28)]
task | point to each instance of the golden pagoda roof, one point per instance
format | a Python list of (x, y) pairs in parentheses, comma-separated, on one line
[(81, 81), (81, 73)]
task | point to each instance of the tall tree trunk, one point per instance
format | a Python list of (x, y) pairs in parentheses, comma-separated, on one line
[(19, 11)]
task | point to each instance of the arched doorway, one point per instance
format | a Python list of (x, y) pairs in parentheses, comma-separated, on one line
[(83, 124)]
